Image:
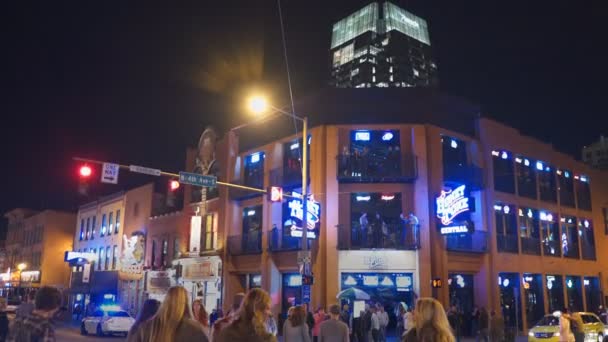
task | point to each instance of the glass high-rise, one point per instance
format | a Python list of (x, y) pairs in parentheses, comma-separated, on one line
[(382, 45)]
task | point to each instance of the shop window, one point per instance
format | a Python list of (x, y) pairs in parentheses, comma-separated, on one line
[(254, 170), (555, 292), (585, 231), (550, 234), (371, 154), (546, 182), (529, 230), (387, 289), (504, 176), (462, 295), (593, 294), (292, 167), (506, 228), (526, 177), (565, 183), (583, 192), (454, 157), (533, 298), (377, 221), (252, 228), (569, 238), (574, 291), (292, 291), (510, 301)]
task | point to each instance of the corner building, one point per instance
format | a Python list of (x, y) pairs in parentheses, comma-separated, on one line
[(505, 221)]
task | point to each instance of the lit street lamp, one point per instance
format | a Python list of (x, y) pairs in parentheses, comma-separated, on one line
[(259, 105), (22, 266)]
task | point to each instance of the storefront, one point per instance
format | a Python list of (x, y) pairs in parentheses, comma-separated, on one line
[(202, 278), (533, 298), (593, 293), (158, 283), (555, 292), (462, 295), (510, 301), (291, 291)]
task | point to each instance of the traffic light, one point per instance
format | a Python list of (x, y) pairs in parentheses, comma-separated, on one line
[(85, 171), (84, 174), (173, 185), (275, 194), (436, 283)]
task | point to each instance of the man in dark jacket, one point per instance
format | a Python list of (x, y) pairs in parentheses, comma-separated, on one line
[(310, 319), (38, 325), (484, 325)]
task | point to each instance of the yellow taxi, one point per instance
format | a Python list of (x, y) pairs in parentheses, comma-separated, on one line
[(547, 329)]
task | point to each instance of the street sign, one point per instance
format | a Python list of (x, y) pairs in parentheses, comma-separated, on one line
[(305, 293), (144, 170), (109, 173), (196, 179)]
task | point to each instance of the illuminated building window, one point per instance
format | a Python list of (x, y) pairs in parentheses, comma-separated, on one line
[(569, 238), (504, 175), (555, 292), (546, 182), (565, 183), (252, 228), (81, 229), (110, 222), (254, 170), (103, 227), (114, 256), (377, 221), (373, 78), (529, 230), (88, 233), (354, 72), (525, 171), (506, 227), (117, 225), (93, 224), (585, 231), (551, 239), (583, 192)]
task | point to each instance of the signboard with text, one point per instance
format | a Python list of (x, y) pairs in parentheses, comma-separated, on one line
[(453, 208), (293, 214)]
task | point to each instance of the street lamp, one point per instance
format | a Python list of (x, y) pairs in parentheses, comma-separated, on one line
[(259, 105), (22, 266)]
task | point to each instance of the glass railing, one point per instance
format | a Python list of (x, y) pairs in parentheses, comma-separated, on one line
[(477, 242), (279, 241), (507, 243), (530, 245), (390, 236), (464, 174), (376, 169), (250, 243)]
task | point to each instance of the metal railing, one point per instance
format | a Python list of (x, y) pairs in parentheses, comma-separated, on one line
[(278, 241), (374, 168), (476, 242), (250, 243), (388, 236)]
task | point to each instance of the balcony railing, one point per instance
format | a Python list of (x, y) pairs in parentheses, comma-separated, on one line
[(392, 236), (507, 243), (464, 174), (278, 242), (250, 243), (374, 169), (241, 194), (287, 178), (530, 245), (552, 248), (477, 242)]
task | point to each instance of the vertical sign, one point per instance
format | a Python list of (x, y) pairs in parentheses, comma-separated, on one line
[(86, 273), (305, 293), (109, 173), (195, 234)]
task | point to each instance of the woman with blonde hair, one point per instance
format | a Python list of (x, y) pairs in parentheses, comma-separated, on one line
[(250, 325), (200, 314), (172, 323), (431, 323)]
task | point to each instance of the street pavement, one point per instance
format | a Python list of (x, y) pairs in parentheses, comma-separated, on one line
[(71, 332)]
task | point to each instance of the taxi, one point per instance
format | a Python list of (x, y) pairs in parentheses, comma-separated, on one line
[(547, 329)]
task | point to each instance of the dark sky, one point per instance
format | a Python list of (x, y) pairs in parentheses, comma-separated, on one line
[(137, 82)]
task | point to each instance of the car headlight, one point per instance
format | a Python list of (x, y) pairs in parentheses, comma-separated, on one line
[(531, 334), (556, 334)]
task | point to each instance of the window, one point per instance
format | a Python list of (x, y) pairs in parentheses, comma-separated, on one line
[(585, 231), (254, 170), (454, 157), (583, 192), (574, 292), (163, 255), (252, 228), (546, 182), (555, 292), (107, 264), (529, 231), (504, 177), (209, 242), (605, 211), (550, 234), (292, 167), (103, 225), (506, 228), (176, 249), (100, 259), (88, 235), (110, 223), (153, 253), (117, 225), (114, 256), (565, 185), (526, 177), (376, 221), (569, 238), (371, 154)]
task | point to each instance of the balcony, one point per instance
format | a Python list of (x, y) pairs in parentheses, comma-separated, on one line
[(284, 243), (245, 244), (507, 243), (374, 169), (477, 242), (469, 174), (287, 178), (552, 248), (395, 236), (237, 194), (530, 245)]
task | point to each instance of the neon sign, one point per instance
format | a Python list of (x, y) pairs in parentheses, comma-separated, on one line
[(454, 230), (452, 203), (296, 213)]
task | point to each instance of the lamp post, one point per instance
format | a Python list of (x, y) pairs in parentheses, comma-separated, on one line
[(260, 105), (22, 266)]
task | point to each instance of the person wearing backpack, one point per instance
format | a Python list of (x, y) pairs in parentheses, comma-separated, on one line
[(38, 325)]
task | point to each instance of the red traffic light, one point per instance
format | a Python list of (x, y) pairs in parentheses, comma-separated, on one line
[(85, 171), (173, 185)]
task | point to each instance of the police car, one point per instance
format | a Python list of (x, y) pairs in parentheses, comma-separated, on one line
[(107, 320)]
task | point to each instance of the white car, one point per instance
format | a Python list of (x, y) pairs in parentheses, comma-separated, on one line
[(107, 322)]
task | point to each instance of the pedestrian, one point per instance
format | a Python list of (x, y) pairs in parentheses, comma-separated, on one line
[(484, 325), (148, 310), (172, 322), (200, 315), (249, 324), (367, 324), (577, 327), (77, 311), (295, 328), (375, 324), (3, 320), (38, 326), (431, 323), (319, 317), (310, 319), (345, 316), (271, 325), (383, 317), (474, 321), (497, 327), (408, 320), (334, 330), (25, 309), (565, 332), (230, 316)]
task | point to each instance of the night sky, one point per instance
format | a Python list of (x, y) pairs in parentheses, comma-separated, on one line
[(136, 83)]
